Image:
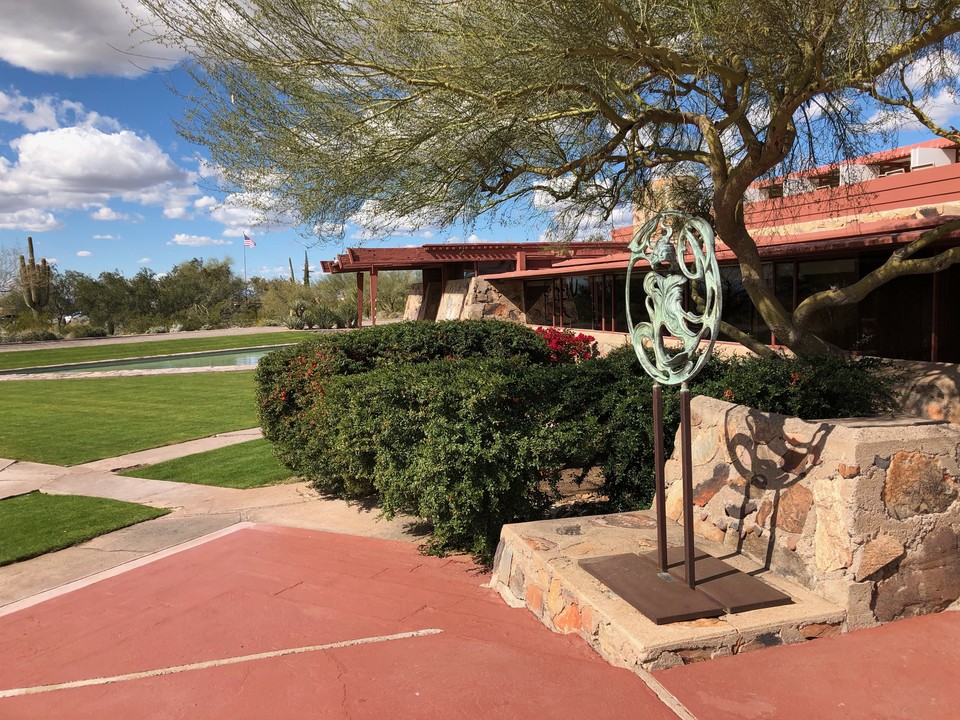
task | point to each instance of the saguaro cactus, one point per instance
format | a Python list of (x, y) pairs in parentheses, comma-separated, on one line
[(34, 281)]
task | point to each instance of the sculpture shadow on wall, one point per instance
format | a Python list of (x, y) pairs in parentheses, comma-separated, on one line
[(769, 461)]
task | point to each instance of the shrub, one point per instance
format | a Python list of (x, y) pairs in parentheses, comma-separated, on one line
[(27, 336), (457, 443), (87, 331), (466, 424)]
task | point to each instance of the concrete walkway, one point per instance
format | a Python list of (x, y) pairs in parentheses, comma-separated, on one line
[(197, 511)]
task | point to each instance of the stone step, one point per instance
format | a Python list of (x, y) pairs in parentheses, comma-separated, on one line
[(537, 566)]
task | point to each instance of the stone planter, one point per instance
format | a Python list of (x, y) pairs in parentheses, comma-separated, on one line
[(863, 512)]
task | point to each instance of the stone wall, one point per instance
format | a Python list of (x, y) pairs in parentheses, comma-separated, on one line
[(453, 298), (503, 301), (414, 308), (863, 512)]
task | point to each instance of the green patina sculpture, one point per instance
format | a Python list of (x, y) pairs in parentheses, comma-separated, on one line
[(665, 241)]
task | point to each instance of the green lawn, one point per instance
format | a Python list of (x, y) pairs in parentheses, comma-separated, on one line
[(67, 422), (246, 465), (34, 524), (118, 351)]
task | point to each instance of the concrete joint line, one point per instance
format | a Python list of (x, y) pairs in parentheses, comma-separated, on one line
[(666, 697), (16, 692)]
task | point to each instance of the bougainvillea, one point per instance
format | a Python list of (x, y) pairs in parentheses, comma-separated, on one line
[(566, 346)]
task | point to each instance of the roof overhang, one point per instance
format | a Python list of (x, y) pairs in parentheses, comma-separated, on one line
[(436, 255), (859, 237)]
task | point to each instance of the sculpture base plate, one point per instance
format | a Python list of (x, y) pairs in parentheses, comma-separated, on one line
[(665, 597), (638, 581), (735, 591)]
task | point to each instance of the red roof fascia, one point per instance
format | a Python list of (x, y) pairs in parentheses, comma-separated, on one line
[(433, 255), (926, 187), (874, 158), (610, 263), (865, 235)]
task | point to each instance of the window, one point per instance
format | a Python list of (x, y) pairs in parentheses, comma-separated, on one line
[(839, 325)]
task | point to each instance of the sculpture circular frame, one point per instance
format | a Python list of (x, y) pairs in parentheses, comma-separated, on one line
[(680, 251)]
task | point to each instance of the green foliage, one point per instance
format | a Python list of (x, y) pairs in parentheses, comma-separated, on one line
[(36, 523), (819, 386), (86, 331), (466, 424), (28, 336)]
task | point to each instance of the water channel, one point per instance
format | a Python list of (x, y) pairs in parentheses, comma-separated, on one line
[(247, 357)]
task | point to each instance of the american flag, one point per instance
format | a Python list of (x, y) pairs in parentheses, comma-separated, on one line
[(247, 242)]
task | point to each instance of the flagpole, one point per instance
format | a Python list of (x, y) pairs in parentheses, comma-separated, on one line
[(244, 260)]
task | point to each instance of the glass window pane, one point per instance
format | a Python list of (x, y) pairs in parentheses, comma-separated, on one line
[(537, 303), (577, 303), (836, 325)]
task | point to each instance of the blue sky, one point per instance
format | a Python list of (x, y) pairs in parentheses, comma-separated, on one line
[(92, 168)]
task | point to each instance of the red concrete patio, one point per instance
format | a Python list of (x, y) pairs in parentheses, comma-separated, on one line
[(269, 590), (289, 623)]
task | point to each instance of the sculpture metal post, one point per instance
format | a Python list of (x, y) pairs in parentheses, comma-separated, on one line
[(683, 267)]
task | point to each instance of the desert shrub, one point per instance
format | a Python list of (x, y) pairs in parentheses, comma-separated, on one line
[(87, 331), (463, 444), (450, 422), (290, 380), (466, 424), (809, 388), (27, 336)]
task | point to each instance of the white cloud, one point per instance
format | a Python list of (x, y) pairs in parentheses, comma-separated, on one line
[(105, 213), (84, 253), (239, 212), (85, 161), (472, 239), (196, 240), (144, 261), (32, 220), (76, 38), (373, 222), (32, 113), (106, 237), (84, 166)]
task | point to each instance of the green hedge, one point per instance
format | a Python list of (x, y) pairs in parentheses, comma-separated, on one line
[(467, 424)]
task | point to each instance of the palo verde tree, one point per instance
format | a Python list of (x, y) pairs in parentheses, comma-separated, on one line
[(435, 111)]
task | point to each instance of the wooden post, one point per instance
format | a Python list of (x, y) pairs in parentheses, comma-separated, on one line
[(359, 299), (373, 296)]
